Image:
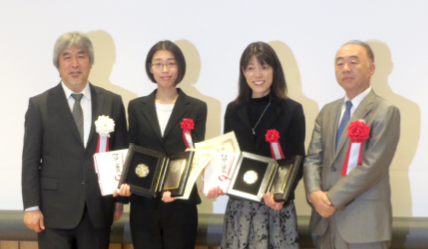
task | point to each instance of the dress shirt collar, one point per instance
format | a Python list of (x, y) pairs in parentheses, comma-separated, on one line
[(86, 91), (357, 100)]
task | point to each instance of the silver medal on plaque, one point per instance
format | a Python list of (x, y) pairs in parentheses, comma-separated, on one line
[(250, 177)]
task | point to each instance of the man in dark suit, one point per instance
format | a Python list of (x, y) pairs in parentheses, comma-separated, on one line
[(352, 201), (62, 198)]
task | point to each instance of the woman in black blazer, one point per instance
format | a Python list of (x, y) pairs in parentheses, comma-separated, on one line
[(155, 123), (262, 105)]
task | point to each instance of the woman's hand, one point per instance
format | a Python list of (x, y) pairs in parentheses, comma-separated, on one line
[(270, 202), (215, 192), (167, 197), (124, 190)]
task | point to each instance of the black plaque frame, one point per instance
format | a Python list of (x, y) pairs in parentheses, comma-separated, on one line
[(265, 168), (154, 160), (182, 181), (286, 181)]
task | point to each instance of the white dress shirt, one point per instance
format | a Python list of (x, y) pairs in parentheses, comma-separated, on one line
[(86, 105), (355, 103)]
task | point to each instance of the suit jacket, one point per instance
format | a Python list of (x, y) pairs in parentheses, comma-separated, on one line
[(363, 197), (284, 115), (58, 172), (144, 130)]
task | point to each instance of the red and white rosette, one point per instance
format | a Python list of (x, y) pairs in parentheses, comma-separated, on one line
[(272, 137), (187, 126), (104, 126), (358, 132)]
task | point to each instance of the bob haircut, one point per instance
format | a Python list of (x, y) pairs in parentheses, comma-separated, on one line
[(265, 55), (70, 39), (178, 56)]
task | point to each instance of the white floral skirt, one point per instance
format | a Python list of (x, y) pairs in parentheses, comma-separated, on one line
[(253, 225)]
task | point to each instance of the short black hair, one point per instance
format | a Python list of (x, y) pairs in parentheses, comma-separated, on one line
[(265, 55), (178, 56)]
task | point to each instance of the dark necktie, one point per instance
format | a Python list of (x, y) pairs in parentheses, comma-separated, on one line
[(78, 113), (345, 120)]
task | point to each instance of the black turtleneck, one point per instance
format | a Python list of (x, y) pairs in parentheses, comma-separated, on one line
[(256, 106)]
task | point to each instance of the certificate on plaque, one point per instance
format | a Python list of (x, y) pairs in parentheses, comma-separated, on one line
[(176, 173), (223, 143), (252, 176), (285, 177), (109, 167), (143, 170), (201, 158), (219, 171)]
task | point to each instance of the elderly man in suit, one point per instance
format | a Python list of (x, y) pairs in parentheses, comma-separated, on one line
[(62, 198), (352, 200)]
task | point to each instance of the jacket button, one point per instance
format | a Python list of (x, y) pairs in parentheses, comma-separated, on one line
[(83, 183), (333, 169)]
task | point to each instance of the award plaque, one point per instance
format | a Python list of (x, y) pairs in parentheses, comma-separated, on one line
[(284, 178), (252, 176), (143, 170), (176, 172), (150, 172)]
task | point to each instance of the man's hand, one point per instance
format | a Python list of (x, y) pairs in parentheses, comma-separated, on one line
[(167, 197), (322, 203), (215, 192), (118, 211), (270, 202), (125, 190), (34, 220)]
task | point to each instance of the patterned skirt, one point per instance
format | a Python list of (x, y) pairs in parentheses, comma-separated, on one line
[(253, 225)]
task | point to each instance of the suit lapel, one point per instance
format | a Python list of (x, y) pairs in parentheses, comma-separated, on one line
[(59, 101), (97, 104), (360, 113), (181, 107), (336, 110), (149, 111)]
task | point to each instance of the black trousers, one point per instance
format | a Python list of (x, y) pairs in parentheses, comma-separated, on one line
[(84, 236), (165, 227)]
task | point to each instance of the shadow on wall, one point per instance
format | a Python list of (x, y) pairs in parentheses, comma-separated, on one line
[(105, 58), (213, 127), (409, 134), (310, 108)]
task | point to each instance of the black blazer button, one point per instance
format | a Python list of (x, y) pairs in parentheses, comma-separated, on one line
[(83, 183), (333, 169)]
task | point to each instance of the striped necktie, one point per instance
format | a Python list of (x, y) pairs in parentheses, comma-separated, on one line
[(78, 113)]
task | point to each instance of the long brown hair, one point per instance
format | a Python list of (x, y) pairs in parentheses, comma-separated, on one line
[(265, 55)]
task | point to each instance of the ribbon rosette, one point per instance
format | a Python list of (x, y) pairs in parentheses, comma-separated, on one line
[(104, 126), (272, 137), (358, 132), (187, 126)]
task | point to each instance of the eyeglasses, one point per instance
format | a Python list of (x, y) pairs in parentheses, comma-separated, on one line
[(160, 66)]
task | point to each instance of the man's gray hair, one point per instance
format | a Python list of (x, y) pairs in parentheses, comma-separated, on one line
[(366, 46), (70, 39)]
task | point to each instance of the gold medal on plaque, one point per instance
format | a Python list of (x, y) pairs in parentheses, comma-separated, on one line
[(142, 170), (250, 177)]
